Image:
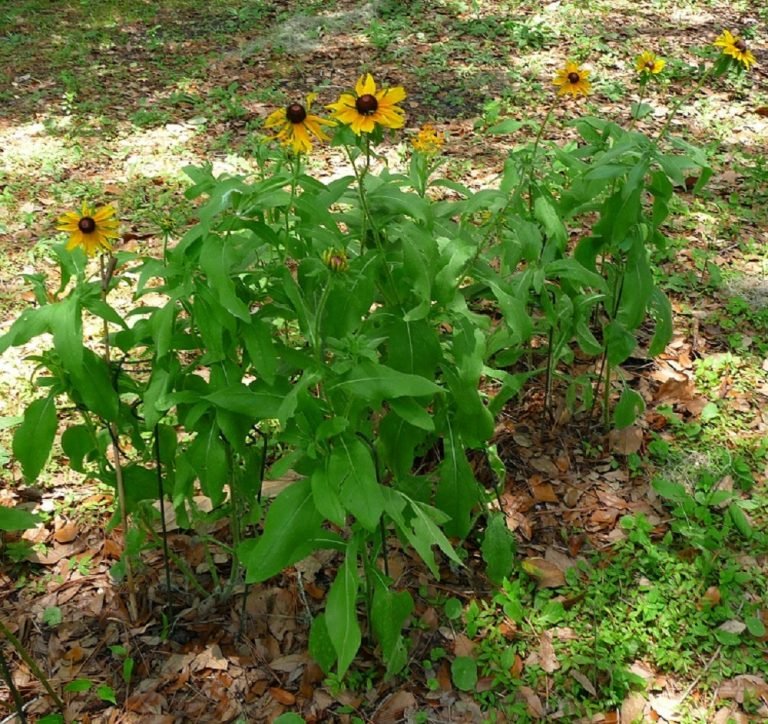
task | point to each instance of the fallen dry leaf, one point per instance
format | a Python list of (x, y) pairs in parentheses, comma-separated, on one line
[(546, 573), (394, 707), (65, 532), (532, 701), (736, 688), (281, 696), (633, 708), (667, 705), (626, 441)]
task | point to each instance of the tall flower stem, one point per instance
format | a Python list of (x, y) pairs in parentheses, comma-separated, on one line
[(107, 266), (707, 73)]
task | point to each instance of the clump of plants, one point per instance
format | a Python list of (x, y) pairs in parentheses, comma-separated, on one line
[(361, 334)]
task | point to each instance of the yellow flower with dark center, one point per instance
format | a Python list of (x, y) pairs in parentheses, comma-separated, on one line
[(572, 79), (736, 48), (296, 126), (90, 228), (369, 106), (336, 260), (428, 141), (648, 63)]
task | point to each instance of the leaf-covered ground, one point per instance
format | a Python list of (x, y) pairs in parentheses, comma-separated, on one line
[(621, 621)]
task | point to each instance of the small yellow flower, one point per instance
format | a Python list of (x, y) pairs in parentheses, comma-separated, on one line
[(736, 48), (336, 260), (428, 141), (367, 106), (648, 63), (295, 125), (572, 79), (90, 228)]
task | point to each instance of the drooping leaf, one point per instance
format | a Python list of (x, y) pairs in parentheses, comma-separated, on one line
[(291, 532), (33, 439), (630, 405), (341, 613), (16, 519), (389, 612), (498, 548)]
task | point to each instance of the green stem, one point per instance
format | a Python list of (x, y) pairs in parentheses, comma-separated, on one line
[(680, 103), (163, 523), (32, 664), (18, 702), (106, 275)]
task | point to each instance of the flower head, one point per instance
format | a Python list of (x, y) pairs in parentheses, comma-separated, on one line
[(367, 106), (428, 141), (735, 47), (572, 79), (336, 260), (90, 228), (295, 125), (648, 63)]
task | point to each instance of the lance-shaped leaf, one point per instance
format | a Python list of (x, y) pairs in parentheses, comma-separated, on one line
[(33, 439)]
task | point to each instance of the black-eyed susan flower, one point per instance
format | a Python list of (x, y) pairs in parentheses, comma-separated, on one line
[(367, 106), (295, 125), (90, 228), (572, 79), (648, 63), (735, 47), (428, 141), (336, 260)]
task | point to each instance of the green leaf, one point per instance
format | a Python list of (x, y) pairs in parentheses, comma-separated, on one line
[(661, 311), (413, 413), (457, 489), (33, 439), (260, 346), (289, 718), (106, 693), (740, 520), (755, 626), (553, 226), (453, 609), (291, 532), (208, 456), (464, 673), (670, 490), (709, 412), (498, 548), (259, 404), (341, 612), (217, 260), (52, 616), (351, 466), (389, 612), (619, 342), (77, 441), (77, 686), (372, 381), (16, 519), (320, 645), (629, 406), (325, 491)]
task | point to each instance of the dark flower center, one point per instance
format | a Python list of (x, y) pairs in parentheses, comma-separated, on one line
[(295, 113), (87, 225), (650, 65), (740, 45), (367, 104), (573, 77)]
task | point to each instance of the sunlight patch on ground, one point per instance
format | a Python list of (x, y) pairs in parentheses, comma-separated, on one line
[(30, 144), (157, 152)]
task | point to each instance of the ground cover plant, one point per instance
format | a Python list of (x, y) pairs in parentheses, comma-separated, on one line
[(345, 394)]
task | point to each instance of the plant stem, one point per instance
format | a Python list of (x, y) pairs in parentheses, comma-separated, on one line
[(133, 609), (161, 498), (34, 668), (680, 103), (18, 702)]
